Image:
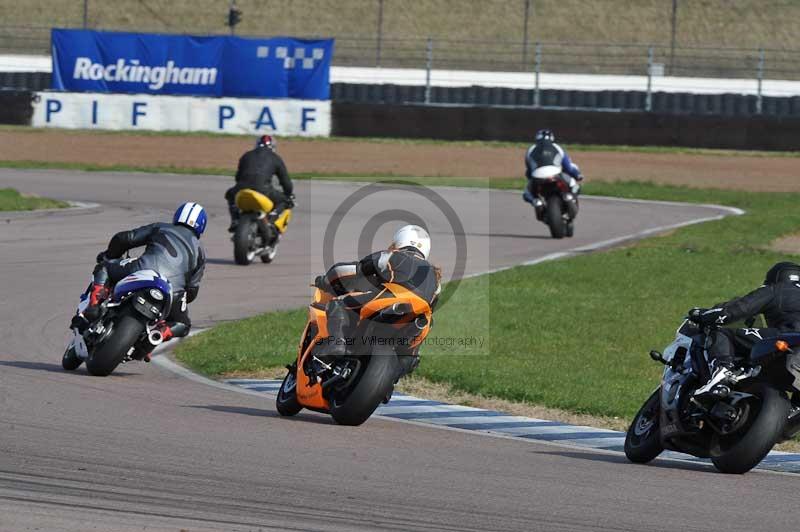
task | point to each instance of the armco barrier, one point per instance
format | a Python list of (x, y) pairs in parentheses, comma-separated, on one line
[(15, 107), (582, 127), (663, 102), (482, 123)]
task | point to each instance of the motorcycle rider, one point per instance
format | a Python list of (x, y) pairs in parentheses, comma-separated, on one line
[(255, 171), (173, 250), (778, 299), (405, 262), (545, 152)]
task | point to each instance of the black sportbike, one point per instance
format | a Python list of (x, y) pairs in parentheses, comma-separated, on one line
[(734, 423)]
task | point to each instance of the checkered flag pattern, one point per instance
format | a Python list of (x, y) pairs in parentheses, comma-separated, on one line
[(305, 58)]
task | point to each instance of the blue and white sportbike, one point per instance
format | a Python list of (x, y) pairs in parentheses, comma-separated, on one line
[(127, 325)]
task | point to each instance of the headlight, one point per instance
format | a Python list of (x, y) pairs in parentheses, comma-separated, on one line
[(156, 294)]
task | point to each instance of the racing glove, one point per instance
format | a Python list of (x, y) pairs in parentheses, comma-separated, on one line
[(101, 257), (290, 201), (705, 316)]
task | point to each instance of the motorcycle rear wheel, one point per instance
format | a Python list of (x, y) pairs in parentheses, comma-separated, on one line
[(286, 402), (739, 455), (555, 217), (109, 353), (244, 242), (643, 439), (375, 383)]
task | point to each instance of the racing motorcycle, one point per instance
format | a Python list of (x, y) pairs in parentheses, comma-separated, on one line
[(735, 423), (127, 327), (383, 348), (556, 203), (259, 229)]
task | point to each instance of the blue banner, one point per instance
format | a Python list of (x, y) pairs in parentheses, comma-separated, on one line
[(280, 67)]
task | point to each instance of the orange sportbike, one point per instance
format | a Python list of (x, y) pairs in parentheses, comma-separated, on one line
[(382, 346)]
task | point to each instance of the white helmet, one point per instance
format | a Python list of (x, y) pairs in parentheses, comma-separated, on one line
[(413, 236)]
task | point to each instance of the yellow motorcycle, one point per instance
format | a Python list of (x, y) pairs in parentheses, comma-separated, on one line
[(259, 229)]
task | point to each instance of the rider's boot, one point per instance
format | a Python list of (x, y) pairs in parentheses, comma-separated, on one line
[(97, 294), (234, 211), (724, 373), (336, 312)]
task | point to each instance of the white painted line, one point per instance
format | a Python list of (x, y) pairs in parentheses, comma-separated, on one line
[(483, 420), (75, 208), (388, 410), (595, 443), (163, 362), (545, 430)]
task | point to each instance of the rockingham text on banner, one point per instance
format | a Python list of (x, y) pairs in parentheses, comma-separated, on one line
[(280, 67)]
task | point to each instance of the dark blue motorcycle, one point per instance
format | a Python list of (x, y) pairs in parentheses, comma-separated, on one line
[(126, 328)]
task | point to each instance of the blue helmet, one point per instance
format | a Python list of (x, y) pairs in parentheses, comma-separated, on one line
[(192, 215), (546, 135)]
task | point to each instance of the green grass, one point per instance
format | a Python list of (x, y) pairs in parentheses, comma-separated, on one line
[(502, 183), (738, 23), (571, 334), (12, 200)]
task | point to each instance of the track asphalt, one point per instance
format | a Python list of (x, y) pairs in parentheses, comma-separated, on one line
[(146, 449)]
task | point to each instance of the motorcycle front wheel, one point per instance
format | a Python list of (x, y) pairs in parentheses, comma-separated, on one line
[(743, 449), (286, 402), (70, 361), (643, 440)]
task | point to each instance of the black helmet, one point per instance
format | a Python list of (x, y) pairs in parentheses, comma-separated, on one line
[(545, 134), (783, 272)]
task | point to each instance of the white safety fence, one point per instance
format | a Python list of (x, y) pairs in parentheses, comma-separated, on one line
[(521, 80)]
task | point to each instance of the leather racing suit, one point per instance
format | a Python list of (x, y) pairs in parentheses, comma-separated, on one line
[(174, 251)]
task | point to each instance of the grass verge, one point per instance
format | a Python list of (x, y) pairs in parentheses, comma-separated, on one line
[(571, 334), (407, 141), (12, 200), (498, 183)]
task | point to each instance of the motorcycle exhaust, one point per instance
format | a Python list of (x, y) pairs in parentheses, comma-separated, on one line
[(155, 337), (792, 425), (572, 205)]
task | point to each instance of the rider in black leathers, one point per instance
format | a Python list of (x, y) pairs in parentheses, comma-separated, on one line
[(172, 250), (255, 171), (778, 299)]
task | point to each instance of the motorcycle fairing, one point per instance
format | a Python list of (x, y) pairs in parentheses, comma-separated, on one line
[(141, 280), (546, 172), (283, 220), (248, 200)]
